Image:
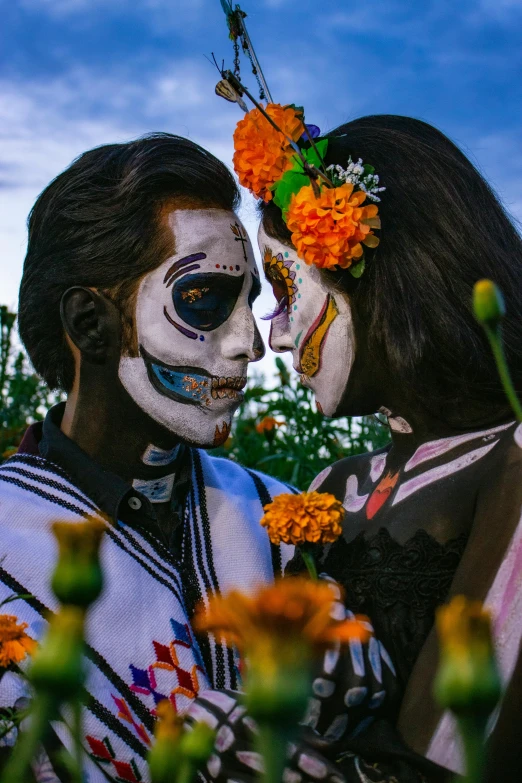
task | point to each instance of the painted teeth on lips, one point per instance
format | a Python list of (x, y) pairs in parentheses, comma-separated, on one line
[(227, 388)]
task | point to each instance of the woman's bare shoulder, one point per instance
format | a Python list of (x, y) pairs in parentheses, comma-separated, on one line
[(359, 464)]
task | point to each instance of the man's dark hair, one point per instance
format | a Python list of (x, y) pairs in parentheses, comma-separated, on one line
[(99, 224), (443, 229)]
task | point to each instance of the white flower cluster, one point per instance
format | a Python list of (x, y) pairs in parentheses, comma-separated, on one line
[(358, 175)]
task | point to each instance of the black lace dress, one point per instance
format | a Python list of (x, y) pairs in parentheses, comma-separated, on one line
[(398, 586), (350, 733)]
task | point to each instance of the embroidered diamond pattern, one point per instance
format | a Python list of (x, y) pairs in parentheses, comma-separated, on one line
[(165, 655), (185, 680), (125, 772), (99, 750), (181, 633), (102, 751)]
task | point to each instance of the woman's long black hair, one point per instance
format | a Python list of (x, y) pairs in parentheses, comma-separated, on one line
[(443, 229)]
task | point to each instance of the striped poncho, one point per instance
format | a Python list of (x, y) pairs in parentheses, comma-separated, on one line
[(140, 646)]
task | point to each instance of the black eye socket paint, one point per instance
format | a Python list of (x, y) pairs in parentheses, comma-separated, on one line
[(254, 291), (205, 301)]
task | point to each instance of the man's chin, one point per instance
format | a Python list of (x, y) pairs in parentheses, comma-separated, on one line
[(213, 432)]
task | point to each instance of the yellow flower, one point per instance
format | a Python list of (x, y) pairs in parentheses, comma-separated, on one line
[(263, 154), (170, 723), (313, 517), (15, 644), (291, 609), (467, 678), (329, 230)]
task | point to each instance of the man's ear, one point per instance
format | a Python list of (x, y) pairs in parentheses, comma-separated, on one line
[(92, 322)]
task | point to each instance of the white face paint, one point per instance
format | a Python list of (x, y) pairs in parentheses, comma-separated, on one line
[(195, 329), (314, 323)]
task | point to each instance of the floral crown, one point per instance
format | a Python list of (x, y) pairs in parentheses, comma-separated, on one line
[(278, 157)]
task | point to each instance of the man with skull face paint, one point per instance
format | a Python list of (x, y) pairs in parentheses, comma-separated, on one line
[(136, 300)]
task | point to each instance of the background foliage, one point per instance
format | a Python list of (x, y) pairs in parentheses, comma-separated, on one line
[(278, 431), (281, 432), (24, 397)]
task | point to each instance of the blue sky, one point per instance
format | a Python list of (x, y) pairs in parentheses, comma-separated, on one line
[(78, 73)]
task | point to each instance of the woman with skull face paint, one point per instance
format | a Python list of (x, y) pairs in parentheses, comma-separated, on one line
[(438, 511)]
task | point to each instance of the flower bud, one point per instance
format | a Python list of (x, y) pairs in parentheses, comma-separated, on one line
[(164, 756), (78, 578), (196, 745), (467, 681), (57, 666), (488, 303)]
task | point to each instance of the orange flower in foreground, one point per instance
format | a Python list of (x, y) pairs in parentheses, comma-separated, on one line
[(330, 229), (313, 517), (267, 424), (15, 644), (278, 616), (262, 154)]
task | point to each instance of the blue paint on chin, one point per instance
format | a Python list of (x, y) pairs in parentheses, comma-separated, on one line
[(193, 387)]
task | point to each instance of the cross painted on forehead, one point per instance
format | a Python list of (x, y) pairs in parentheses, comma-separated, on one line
[(240, 235)]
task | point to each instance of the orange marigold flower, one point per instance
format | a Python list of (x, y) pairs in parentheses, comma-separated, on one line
[(277, 616), (309, 517), (330, 229), (267, 424), (15, 644), (262, 154)]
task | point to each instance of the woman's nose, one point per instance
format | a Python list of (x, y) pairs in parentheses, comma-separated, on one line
[(280, 340)]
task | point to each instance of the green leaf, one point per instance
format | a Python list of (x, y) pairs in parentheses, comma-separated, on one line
[(356, 270), (291, 182), (368, 169), (311, 155)]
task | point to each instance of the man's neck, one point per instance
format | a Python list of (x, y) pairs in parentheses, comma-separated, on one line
[(121, 439)]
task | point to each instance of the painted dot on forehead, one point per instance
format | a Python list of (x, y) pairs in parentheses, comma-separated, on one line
[(300, 280), (202, 338), (237, 267), (286, 254), (298, 266)]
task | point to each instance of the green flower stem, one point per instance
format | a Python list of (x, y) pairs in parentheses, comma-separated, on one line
[(309, 562), (16, 769), (184, 772), (495, 341), (472, 731), (77, 733), (271, 743)]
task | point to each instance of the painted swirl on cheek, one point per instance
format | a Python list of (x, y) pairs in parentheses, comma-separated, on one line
[(311, 348)]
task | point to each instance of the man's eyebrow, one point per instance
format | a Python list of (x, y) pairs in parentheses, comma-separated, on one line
[(256, 288), (176, 269)]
